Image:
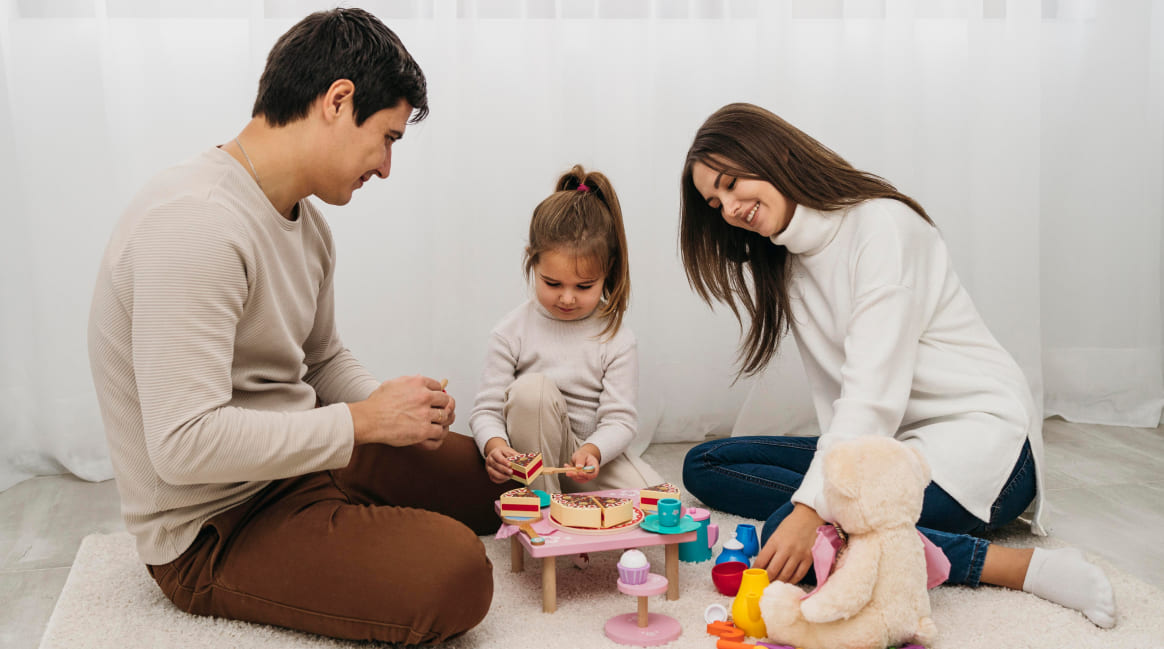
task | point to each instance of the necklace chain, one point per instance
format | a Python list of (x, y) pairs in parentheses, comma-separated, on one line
[(244, 152)]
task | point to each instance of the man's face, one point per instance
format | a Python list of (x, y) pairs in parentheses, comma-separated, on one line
[(361, 152)]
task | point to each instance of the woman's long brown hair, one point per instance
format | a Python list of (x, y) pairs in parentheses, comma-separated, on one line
[(746, 141)]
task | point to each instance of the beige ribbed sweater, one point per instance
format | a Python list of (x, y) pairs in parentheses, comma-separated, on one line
[(598, 378), (211, 336)]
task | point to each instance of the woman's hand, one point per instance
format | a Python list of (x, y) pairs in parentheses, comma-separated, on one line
[(787, 556), (588, 455), (497, 454)]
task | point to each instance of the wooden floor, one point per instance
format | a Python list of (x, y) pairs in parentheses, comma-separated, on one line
[(1105, 494)]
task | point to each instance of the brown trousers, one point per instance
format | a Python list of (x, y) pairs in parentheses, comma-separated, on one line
[(385, 549)]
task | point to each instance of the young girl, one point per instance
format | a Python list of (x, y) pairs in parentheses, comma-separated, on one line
[(777, 223), (561, 372)]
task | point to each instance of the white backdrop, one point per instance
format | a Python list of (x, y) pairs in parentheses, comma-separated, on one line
[(1032, 131)]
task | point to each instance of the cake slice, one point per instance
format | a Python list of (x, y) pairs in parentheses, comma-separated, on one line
[(520, 502), (526, 467), (615, 511), (574, 510), (650, 496), (597, 512)]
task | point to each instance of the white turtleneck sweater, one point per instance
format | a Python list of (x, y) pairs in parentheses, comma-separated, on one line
[(598, 378), (893, 346)]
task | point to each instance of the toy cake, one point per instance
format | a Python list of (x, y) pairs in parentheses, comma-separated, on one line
[(580, 510), (520, 502), (526, 467), (649, 497)]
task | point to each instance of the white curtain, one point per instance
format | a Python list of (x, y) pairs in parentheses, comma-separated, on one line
[(1033, 132)]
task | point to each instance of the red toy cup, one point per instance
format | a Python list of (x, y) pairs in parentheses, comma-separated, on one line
[(727, 575)]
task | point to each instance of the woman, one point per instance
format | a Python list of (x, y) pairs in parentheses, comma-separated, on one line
[(777, 224)]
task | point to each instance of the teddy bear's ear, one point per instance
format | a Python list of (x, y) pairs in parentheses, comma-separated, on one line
[(922, 467), (840, 469), (848, 489)]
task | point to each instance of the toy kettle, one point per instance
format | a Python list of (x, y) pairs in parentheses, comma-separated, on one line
[(733, 550), (708, 533), (746, 606)]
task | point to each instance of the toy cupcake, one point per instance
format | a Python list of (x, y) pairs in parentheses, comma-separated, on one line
[(633, 567)]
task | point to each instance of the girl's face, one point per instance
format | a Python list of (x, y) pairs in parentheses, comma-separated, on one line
[(568, 287), (746, 203)]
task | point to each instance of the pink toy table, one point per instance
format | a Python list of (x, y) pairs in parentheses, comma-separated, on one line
[(562, 542)]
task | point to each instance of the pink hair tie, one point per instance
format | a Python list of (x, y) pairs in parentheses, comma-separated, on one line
[(583, 188)]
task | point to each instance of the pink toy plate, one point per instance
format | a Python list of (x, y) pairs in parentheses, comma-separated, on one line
[(629, 525)]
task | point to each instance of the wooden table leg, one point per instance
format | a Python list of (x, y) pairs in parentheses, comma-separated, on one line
[(671, 553), (549, 585), (516, 555)]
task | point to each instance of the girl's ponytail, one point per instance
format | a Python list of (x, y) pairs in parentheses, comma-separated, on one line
[(584, 215)]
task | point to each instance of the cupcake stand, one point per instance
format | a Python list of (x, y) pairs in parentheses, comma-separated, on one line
[(643, 629)]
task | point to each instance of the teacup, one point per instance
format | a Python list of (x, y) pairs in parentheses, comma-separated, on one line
[(669, 509), (727, 576)]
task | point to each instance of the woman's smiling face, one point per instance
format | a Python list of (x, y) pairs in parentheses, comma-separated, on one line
[(747, 203)]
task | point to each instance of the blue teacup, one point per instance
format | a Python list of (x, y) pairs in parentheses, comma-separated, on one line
[(669, 509)]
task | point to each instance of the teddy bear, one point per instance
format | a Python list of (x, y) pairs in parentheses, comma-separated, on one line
[(876, 596)]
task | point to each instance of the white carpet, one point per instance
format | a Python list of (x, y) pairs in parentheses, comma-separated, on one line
[(110, 602)]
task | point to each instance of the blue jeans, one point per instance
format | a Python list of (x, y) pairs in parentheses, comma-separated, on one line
[(755, 477)]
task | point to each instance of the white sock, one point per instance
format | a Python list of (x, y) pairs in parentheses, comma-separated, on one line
[(1065, 577)]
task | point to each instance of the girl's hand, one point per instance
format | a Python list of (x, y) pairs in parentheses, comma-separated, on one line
[(497, 454), (787, 556), (588, 455)]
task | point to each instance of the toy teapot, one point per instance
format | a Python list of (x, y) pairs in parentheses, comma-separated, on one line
[(708, 534), (733, 550), (746, 606)]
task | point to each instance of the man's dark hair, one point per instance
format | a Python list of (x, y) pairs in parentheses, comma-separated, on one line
[(347, 44)]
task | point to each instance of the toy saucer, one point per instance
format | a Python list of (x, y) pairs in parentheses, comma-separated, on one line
[(543, 497), (686, 524)]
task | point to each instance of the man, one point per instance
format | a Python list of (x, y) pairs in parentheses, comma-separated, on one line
[(212, 341)]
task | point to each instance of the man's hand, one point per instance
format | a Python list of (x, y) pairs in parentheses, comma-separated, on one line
[(405, 411), (787, 555), (497, 452), (588, 455)]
